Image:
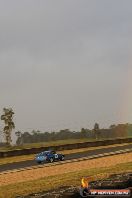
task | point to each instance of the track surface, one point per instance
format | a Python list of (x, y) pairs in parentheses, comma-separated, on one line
[(28, 163)]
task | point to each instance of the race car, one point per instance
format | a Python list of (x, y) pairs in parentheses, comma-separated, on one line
[(49, 156)]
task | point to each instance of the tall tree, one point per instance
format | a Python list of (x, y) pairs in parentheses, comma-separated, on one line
[(96, 130), (7, 117), (84, 132), (19, 140)]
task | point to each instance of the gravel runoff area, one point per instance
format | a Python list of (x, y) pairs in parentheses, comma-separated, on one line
[(34, 174)]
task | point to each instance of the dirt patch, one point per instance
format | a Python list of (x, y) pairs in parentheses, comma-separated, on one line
[(117, 181), (63, 192), (114, 181), (34, 174)]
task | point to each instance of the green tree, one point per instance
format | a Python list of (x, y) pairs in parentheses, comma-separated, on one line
[(112, 126), (84, 132), (19, 138), (18, 134), (7, 117), (96, 130)]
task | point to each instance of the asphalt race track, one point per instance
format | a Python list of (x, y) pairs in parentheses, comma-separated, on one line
[(29, 163)]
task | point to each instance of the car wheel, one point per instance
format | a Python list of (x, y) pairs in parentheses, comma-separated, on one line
[(62, 158), (39, 162), (51, 160)]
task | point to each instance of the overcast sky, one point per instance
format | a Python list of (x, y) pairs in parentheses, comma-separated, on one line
[(66, 63)]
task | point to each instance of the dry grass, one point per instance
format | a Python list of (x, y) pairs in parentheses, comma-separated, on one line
[(31, 157), (21, 158), (29, 175), (66, 179), (56, 143), (48, 144)]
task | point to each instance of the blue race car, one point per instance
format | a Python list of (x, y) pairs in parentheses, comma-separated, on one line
[(48, 156)]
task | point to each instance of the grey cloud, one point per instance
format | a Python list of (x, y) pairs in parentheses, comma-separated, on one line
[(64, 63)]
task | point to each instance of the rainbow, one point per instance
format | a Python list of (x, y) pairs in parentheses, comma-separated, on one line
[(126, 101)]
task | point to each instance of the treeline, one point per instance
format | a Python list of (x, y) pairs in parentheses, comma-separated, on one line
[(114, 131)]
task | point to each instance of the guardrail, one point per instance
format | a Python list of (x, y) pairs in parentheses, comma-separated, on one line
[(28, 151)]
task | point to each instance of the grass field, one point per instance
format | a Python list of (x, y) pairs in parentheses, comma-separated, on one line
[(31, 157), (53, 143), (66, 179)]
